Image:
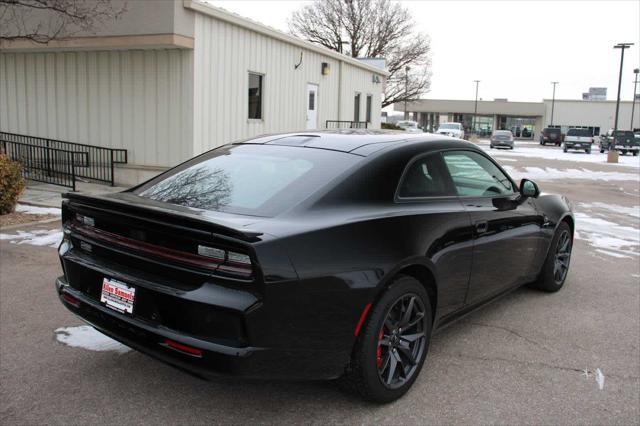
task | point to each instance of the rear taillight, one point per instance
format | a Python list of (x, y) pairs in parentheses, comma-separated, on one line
[(212, 258), (185, 349)]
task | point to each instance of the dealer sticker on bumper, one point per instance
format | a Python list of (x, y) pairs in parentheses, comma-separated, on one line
[(117, 295)]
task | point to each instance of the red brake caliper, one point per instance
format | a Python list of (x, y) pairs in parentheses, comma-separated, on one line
[(379, 351)]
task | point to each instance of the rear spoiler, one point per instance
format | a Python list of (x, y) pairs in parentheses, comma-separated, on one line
[(164, 215)]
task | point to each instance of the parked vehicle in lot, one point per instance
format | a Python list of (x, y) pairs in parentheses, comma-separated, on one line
[(551, 135), (502, 138), (409, 126), (577, 138), (320, 255), (455, 130), (624, 141)]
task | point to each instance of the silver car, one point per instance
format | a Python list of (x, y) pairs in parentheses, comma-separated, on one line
[(502, 138)]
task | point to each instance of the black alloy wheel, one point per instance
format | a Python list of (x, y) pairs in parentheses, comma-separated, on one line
[(393, 343), (402, 341), (562, 257)]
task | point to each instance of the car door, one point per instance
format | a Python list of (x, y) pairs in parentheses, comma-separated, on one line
[(507, 228), (439, 225)]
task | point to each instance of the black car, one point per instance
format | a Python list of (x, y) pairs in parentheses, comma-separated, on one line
[(319, 255), (551, 135)]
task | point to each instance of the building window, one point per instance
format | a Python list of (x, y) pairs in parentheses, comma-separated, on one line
[(356, 107), (368, 110), (312, 100), (255, 96)]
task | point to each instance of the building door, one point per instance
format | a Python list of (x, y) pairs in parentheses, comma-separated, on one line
[(312, 106)]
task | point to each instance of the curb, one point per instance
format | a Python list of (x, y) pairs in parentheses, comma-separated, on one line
[(27, 224)]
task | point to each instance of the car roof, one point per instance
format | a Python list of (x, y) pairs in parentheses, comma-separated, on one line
[(357, 141)]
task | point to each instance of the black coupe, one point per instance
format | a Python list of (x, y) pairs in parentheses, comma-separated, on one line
[(318, 255)]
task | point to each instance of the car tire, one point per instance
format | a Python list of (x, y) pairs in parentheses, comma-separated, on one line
[(635, 153), (364, 376), (564, 149), (623, 152), (491, 146), (601, 151), (588, 151), (551, 279)]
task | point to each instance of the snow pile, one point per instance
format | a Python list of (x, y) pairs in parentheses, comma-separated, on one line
[(550, 173), (608, 237), (87, 337), (38, 237), (25, 208), (622, 210), (600, 378), (557, 154)]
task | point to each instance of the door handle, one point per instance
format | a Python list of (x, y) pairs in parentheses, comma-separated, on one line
[(481, 227)]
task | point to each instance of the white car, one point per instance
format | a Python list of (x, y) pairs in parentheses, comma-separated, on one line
[(455, 130), (409, 126)]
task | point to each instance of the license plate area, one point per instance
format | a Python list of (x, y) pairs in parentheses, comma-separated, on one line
[(118, 296)]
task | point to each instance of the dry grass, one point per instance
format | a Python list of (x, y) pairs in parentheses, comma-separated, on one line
[(17, 218)]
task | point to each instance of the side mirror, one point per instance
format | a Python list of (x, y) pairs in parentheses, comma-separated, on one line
[(529, 188)]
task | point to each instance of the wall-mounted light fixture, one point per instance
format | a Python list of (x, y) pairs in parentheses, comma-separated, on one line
[(325, 68)]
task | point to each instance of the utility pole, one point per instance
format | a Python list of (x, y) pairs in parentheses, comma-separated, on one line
[(633, 100), (475, 109), (622, 47), (553, 100), (406, 91)]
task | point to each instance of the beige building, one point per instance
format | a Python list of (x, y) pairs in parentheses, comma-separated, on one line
[(525, 119), (173, 78)]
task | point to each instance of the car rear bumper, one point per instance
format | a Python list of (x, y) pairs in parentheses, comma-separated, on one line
[(577, 145), (502, 143), (212, 359)]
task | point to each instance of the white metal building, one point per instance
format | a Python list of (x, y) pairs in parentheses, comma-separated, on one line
[(173, 78)]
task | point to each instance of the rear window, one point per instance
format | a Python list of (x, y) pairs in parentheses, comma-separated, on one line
[(554, 131), (248, 179), (579, 132), (502, 133)]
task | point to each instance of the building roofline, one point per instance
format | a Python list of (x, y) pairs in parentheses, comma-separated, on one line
[(473, 100), (607, 101), (233, 18)]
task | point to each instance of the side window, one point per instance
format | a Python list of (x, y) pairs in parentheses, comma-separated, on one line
[(426, 177), (475, 175), (255, 96)]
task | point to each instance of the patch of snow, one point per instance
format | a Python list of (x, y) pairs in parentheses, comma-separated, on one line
[(613, 254), (627, 211), (87, 337), (38, 237), (25, 208), (600, 378), (609, 237), (558, 154), (550, 173)]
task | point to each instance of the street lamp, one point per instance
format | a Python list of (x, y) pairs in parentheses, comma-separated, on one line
[(553, 101), (475, 109), (622, 47), (633, 100), (406, 91)]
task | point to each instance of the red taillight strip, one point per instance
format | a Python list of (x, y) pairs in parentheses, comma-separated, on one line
[(150, 248), (190, 350), (363, 315)]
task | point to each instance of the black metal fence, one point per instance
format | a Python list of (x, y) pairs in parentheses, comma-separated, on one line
[(338, 124), (90, 162), (42, 164)]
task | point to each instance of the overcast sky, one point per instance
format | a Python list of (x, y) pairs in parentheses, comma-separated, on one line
[(516, 48)]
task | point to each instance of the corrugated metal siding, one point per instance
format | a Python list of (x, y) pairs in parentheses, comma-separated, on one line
[(138, 100), (223, 56)]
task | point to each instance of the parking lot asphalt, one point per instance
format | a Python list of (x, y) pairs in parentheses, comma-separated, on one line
[(529, 358)]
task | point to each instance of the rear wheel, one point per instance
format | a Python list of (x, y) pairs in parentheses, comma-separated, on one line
[(565, 148), (588, 151), (556, 266), (392, 347), (601, 151), (635, 153), (623, 152)]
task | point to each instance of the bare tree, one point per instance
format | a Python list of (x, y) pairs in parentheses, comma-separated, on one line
[(371, 29), (42, 21)]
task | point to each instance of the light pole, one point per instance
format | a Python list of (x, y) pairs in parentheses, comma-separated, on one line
[(475, 109), (622, 47), (633, 100), (553, 100), (406, 91)]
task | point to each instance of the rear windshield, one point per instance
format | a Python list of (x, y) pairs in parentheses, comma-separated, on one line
[(555, 131), (579, 132), (257, 180), (502, 133), (450, 126)]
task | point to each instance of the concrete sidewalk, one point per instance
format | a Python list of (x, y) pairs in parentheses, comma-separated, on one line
[(47, 195)]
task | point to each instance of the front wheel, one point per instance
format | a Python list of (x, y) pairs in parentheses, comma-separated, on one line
[(392, 346), (601, 151), (635, 153), (556, 265)]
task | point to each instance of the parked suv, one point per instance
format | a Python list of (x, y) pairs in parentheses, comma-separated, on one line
[(551, 135), (624, 141), (578, 139), (451, 129)]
